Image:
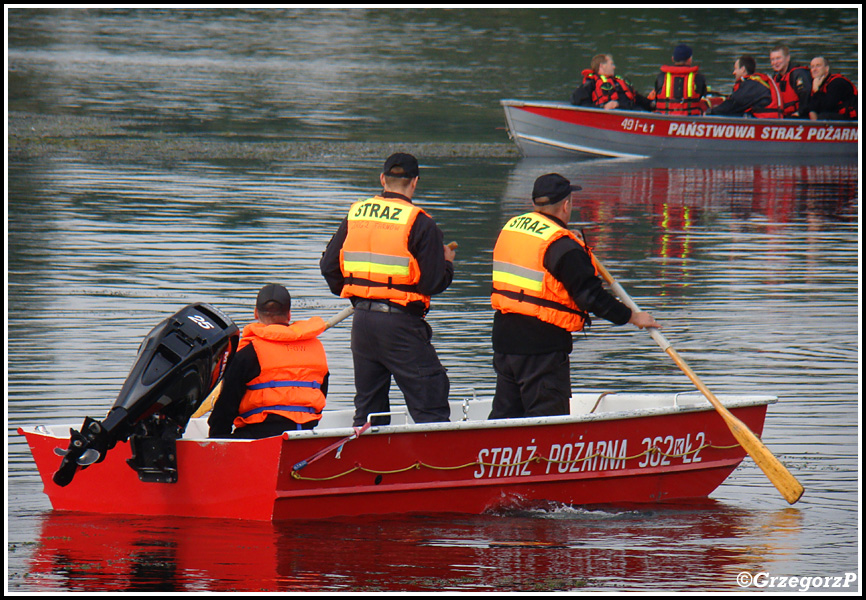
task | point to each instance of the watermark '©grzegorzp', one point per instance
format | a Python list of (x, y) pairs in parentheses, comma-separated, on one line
[(799, 583)]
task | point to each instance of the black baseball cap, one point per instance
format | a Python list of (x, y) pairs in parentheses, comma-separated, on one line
[(552, 186), (274, 292), (401, 165), (682, 53)]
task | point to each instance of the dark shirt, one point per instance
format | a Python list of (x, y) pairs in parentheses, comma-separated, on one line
[(570, 264), (425, 244), (832, 97), (749, 94), (243, 368), (582, 96)]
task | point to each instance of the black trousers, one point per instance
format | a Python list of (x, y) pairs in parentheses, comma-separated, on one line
[(531, 385), (271, 426), (386, 344)]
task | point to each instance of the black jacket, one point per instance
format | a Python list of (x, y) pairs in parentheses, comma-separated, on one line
[(425, 244), (570, 264), (749, 94)]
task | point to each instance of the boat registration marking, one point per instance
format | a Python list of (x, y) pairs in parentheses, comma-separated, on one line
[(637, 125), (659, 450), (586, 456)]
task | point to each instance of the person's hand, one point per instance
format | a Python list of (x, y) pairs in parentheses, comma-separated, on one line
[(643, 320), (450, 251), (611, 104), (813, 116), (816, 83)]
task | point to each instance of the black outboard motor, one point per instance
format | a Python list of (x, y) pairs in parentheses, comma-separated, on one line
[(178, 364)]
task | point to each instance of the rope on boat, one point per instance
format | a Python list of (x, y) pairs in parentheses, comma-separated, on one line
[(535, 459)]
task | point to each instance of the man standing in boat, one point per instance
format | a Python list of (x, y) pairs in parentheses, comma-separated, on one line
[(603, 89), (388, 258), (278, 379), (545, 284), (794, 81), (680, 89), (755, 94)]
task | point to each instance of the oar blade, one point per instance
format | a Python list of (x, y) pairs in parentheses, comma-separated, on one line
[(776, 472)]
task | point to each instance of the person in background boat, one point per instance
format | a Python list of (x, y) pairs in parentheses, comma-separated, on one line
[(794, 81), (834, 96), (388, 258), (680, 89), (602, 88), (545, 282), (278, 380), (755, 94)]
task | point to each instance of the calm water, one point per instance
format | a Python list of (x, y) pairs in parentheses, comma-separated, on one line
[(752, 269)]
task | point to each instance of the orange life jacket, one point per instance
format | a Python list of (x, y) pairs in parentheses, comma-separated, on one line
[(607, 88), (687, 101), (850, 109), (521, 284), (774, 109), (293, 368), (375, 258), (790, 97)]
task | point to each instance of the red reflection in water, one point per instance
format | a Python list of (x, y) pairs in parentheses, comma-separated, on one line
[(561, 550), (677, 198)]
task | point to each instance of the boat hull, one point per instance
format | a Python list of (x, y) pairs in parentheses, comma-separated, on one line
[(475, 466), (557, 129)]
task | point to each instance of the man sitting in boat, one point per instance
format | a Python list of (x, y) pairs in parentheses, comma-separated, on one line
[(680, 89), (794, 81), (754, 95), (833, 97), (601, 88), (278, 379), (545, 282)]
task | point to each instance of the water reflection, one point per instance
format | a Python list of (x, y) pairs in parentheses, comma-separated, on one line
[(752, 269), (558, 549)]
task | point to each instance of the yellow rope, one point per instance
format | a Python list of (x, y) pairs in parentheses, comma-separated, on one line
[(536, 459)]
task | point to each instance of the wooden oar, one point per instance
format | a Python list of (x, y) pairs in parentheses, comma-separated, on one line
[(775, 471), (208, 403)]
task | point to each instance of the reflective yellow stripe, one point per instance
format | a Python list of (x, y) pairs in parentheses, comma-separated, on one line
[(373, 258), (370, 262), (517, 276), (669, 84)]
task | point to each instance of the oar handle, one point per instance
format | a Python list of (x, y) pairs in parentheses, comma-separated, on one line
[(340, 316), (627, 300)]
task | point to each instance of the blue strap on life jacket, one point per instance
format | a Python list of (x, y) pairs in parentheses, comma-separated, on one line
[(283, 407), (278, 384)]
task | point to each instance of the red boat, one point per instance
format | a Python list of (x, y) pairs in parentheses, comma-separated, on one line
[(613, 448)]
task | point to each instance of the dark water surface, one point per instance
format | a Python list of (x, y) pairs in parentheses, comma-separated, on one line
[(752, 269)]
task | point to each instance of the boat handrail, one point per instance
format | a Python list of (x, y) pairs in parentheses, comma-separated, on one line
[(678, 394), (393, 413)]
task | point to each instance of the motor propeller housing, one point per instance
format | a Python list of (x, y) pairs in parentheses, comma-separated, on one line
[(178, 364)]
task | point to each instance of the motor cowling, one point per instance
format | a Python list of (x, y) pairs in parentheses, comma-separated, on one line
[(178, 364)]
